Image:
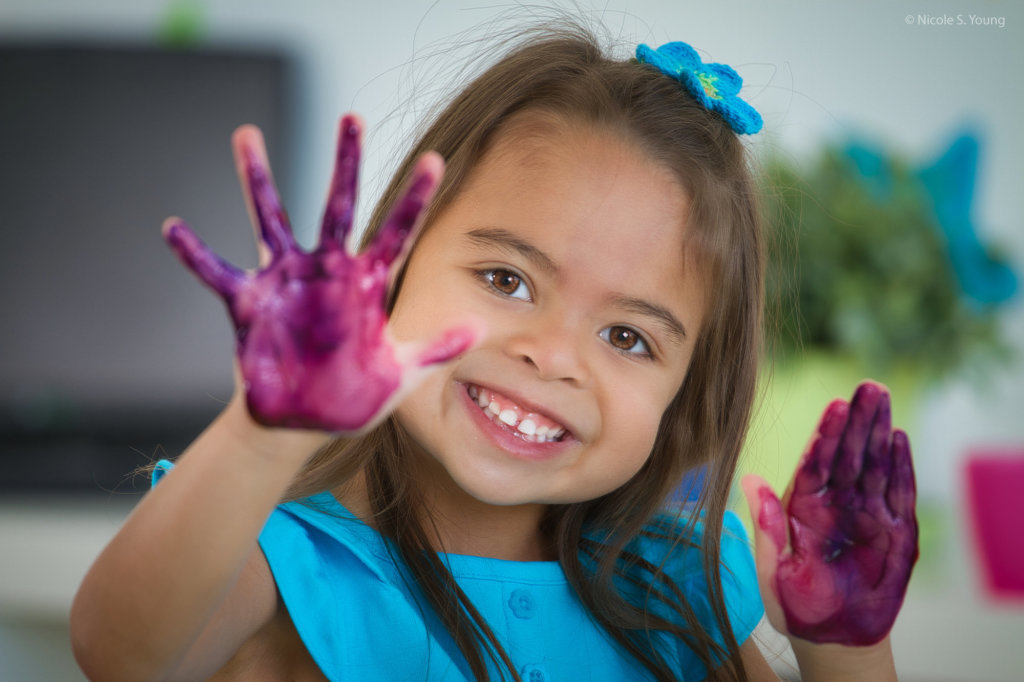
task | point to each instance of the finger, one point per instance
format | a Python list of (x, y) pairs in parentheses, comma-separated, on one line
[(261, 198), (850, 452), (452, 343), (769, 525), (341, 197), (397, 233), (767, 514), (816, 464), (901, 493), (210, 268), (878, 453), (415, 356), (418, 360)]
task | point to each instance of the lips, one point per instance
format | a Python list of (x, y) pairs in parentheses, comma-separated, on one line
[(530, 425)]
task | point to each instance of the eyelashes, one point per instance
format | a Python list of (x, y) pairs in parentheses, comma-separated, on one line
[(623, 339), (626, 340), (506, 283)]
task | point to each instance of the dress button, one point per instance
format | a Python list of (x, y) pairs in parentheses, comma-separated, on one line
[(521, 603), (533, 673)]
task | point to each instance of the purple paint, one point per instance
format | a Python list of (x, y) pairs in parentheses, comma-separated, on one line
[(851, 523), (311, 327)]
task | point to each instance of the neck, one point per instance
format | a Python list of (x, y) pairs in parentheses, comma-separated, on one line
[(458, 523), (463, 525)]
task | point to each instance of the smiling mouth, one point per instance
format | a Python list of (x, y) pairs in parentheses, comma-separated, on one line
[(530, 426)]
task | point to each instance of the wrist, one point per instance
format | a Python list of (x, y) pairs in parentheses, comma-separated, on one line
[(840, 663), (266, 442)]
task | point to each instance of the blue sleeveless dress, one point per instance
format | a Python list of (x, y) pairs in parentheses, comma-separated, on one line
[(353, 605)]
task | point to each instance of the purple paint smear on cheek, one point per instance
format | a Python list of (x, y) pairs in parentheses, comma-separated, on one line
[(310, 327), (851, 523)]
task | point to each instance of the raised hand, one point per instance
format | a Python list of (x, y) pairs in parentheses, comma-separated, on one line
[(852, 532), (311, 328)]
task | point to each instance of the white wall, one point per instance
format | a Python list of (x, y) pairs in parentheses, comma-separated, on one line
[(812, 68), (815, 70)]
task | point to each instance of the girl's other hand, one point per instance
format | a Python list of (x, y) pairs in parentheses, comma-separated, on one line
[(311, 328), (840, 573)]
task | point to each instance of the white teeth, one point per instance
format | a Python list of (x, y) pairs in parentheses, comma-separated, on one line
[(527, 428)]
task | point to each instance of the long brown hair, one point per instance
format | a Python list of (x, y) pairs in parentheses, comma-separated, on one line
[(564, 72)]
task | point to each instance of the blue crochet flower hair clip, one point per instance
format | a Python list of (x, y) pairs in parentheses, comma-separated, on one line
[(716, 86)]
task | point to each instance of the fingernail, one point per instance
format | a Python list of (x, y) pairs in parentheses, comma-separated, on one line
[(770, 517), (868, 390), (834, 421)]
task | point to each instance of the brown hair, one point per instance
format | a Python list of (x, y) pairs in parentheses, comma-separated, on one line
[(563, 72)]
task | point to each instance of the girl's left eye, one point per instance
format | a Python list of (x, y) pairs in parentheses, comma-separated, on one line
[(626, 340), (506, 283)]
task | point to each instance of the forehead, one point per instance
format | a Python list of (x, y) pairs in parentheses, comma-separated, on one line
[(585, 195), (583, 182), (531, 140)]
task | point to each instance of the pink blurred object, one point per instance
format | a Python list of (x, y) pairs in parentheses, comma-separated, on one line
[(995, 497)]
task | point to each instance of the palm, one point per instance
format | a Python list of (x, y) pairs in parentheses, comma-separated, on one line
[(851, 524), (311, 327)]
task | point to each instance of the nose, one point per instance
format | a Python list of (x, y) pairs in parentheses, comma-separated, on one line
[(554, 345)]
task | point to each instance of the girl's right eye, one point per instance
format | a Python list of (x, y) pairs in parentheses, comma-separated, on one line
[(506, 283)]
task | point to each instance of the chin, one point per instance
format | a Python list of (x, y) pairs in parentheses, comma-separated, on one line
[(503, 490)]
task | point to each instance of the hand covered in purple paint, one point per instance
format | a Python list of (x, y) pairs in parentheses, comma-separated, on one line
[(852, 532), (312, 341)]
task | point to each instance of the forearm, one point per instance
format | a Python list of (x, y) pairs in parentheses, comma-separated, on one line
[(152, 589), (837, 663)]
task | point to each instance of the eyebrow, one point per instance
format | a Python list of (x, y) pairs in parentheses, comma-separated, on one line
[(512, 243), (669, 322)]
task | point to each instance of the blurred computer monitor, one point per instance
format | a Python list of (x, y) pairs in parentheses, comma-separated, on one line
[(111, 353)]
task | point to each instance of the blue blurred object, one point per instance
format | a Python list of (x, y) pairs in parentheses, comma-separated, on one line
[(691, 487), (948, 186), (950, 191), (874, 168)]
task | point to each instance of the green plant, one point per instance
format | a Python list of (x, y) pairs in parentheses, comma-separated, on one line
[(859, 267)]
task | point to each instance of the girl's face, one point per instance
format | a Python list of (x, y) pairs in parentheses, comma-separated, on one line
[(566, 247)]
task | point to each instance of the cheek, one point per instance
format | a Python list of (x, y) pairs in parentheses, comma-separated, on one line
[(636, 428), (409, 413), (417, 411), (425, 305), (405, 316), (646, 435)]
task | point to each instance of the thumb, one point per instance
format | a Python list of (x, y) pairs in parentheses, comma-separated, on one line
[(769, 523), (451, 343), (420, 358)]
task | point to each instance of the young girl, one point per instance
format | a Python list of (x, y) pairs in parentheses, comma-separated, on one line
[(457, 461)]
